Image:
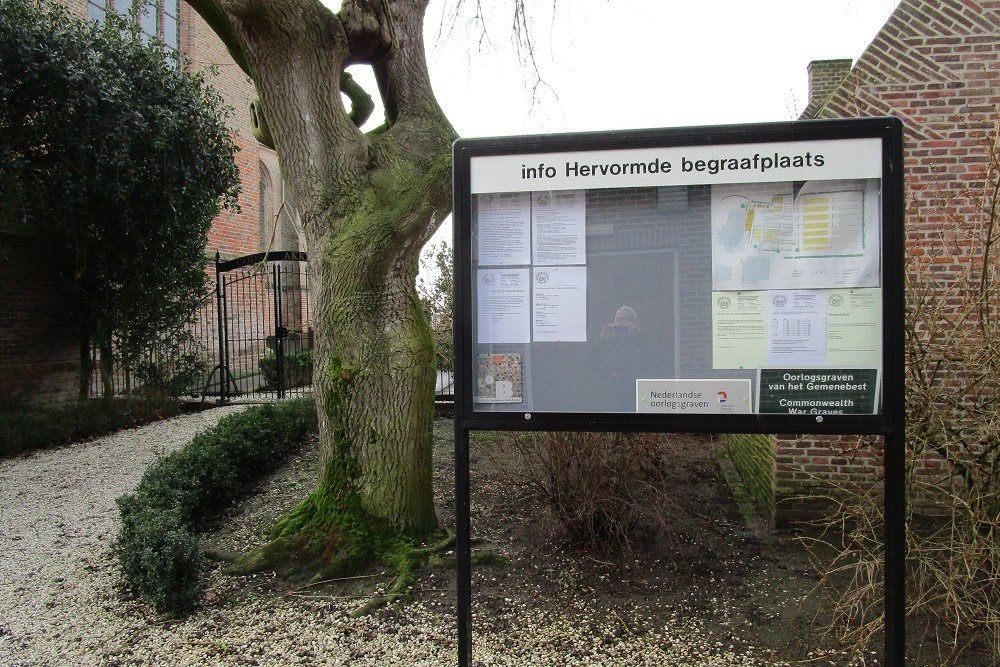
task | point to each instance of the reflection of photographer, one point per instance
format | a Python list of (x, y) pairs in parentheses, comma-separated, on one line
[(626, 325), (621, 357)]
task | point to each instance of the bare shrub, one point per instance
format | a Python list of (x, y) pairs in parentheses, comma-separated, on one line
[(601, 487), (953, 441)]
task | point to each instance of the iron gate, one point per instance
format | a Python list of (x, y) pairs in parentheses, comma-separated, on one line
[(265, 332), (253, 335)]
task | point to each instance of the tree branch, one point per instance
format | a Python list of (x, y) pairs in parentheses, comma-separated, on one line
[(215, 17), (403, 77), (362, 105), (370, 31)]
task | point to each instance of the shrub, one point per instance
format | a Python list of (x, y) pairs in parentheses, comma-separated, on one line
[(298, 367), (600, 486), (169, 372), (952, 439), (156, 548), (27, 430), (160, 558)]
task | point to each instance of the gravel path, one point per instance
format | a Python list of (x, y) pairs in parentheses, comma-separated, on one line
[(62, 603)]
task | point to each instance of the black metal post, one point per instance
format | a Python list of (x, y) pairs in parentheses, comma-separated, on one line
[(222, 344), (227, 374), (279, 342), (463, 542), (894, 389), (895, 551)]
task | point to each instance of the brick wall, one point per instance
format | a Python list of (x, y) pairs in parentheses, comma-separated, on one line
[(753, 456), (936, 66), (39, 357), (812, 472), (233, 233), (825, 77)]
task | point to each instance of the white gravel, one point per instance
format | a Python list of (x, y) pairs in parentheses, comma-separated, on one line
[(62, 601)]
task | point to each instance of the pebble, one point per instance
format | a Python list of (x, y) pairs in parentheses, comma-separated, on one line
[(62, 601)]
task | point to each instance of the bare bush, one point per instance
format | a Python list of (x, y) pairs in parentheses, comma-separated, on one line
[(953, 439), (601, 487)]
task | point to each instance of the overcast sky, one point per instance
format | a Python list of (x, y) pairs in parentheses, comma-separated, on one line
[(622, 64)]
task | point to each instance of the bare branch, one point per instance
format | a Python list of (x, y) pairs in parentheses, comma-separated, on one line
[(522, 36)]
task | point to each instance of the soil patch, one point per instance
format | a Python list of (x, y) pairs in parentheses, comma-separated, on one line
[(741, 589)]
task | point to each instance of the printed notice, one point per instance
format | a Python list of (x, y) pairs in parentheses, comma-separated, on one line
[(560, 303), (854, 327), (559, 227), (798, 328), (739, 329), (504, 229), (499, 378), (503, 315)]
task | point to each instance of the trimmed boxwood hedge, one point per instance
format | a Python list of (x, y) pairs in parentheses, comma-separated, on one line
[(298, 367), (23, 430), (157, 550)]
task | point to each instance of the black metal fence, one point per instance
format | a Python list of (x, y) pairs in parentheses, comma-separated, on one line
[(252, 338), (266, 333)]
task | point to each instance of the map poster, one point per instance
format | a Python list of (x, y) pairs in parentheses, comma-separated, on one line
[(499, 378), (805, 235)]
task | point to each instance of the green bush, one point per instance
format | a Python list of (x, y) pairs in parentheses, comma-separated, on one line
[(170, 373), (162, 560), (157, 550), (298, 368), (27, 430)]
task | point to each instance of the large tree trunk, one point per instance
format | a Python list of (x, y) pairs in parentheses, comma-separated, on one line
[(375, 352), (367, 205)]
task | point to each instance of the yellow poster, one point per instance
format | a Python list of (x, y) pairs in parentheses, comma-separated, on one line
[(854, 328)]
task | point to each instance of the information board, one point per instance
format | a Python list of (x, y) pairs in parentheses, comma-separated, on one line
[(740, 279), (678, 273)]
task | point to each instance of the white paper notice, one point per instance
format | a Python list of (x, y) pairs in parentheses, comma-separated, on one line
[(505, 228), (503, 306), (739, 329), (559, 227), (798, 328), (560, 303)]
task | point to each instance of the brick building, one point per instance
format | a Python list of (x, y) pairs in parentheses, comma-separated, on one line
[(38, 360), (936, 66)]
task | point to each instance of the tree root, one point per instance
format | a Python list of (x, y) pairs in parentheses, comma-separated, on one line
[(220, 555), (406, 559), (315, 554)]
